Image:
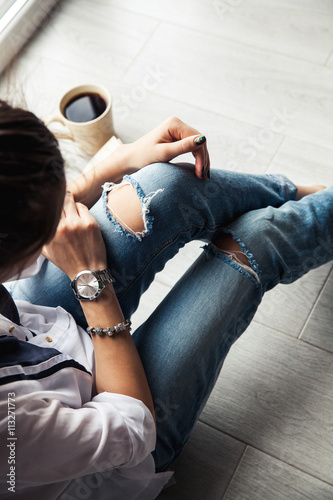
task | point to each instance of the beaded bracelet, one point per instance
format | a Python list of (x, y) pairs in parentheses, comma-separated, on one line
[(125, 325)]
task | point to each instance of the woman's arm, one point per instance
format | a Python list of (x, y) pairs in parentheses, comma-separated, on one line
[(162, 144), (78, 245), (118, 365)]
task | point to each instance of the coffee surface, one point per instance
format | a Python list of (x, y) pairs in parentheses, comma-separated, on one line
[(85, 107)]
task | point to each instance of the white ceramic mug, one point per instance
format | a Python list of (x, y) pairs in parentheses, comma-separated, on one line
[(90, 135)]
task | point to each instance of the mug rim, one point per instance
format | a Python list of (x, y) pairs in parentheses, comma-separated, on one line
[(85, 87)]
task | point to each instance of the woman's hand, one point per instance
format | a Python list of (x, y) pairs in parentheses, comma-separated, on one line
[(168, 140), (78, 243)]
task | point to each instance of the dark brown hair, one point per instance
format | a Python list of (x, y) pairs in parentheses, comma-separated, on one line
[(32, 184)]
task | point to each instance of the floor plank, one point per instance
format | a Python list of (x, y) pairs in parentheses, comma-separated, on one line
[(205, 466), (302, 29), (149, 301), (287, 307), (330, 60), (278, 93), (260, 476), (99, 41), (275, 393), (304, 163), (319, 329)]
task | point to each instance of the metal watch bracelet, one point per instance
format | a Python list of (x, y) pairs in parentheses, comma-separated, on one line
[(105, 275)]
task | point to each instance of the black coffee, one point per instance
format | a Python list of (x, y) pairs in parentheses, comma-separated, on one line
[(85, 107)]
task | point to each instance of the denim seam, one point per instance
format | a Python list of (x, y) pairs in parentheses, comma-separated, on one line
[(284, 186), (278, 184)]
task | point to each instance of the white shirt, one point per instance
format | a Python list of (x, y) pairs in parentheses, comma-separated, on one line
[(66, 442)]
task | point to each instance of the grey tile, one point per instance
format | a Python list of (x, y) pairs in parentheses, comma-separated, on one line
[(319, 329), (177, 266), (260, 476), (330, 60), (275, 393), (99, 39), (287, 307), (304, 163), (277, 93), (303, 30), (205, 466), (149, 301)]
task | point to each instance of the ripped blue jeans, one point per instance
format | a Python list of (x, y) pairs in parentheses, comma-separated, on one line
[(184, 342)]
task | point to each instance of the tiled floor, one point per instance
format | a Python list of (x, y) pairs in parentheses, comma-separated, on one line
[(256, 77)]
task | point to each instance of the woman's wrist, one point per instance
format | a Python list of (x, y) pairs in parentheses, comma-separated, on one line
[(92, 266), (104, 311), (88, 187), (115, 166)]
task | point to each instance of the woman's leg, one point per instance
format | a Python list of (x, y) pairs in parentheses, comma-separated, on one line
[(185, 341), (183, 208)]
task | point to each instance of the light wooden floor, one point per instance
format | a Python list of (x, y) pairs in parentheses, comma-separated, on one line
[(256, 77)]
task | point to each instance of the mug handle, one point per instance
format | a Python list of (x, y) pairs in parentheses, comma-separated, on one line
[(58, 133)]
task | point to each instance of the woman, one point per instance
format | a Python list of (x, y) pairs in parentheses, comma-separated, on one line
[(88, 407)]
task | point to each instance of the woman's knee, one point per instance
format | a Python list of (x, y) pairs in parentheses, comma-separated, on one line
[(186, 198), (128, 204), (267, 241)]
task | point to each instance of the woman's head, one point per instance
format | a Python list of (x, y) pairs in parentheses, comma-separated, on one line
[(32, 186)]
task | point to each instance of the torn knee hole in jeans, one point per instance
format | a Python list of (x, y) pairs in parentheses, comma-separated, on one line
[(127, 218), (240, 259), (233, 256)]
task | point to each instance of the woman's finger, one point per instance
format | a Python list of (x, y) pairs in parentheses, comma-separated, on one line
[(69, 208), (202, 163), (83, 212), (182, 146), (178, 130), (187, 139)]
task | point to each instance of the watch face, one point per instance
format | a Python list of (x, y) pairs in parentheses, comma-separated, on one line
[(87, 285)]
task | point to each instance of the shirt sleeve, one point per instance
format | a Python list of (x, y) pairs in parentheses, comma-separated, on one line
[(57, 443), (29, 271)]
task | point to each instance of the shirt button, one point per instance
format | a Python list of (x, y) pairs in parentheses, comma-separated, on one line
[(49, 339)]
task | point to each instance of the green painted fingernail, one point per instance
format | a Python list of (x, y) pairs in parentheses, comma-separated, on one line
[(203, 172), (200, 140)]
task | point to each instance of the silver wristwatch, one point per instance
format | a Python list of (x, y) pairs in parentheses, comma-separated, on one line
[(87, 285)]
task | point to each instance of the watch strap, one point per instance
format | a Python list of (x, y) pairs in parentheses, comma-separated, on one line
[(104, 276)]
